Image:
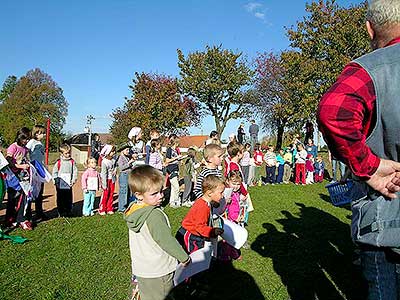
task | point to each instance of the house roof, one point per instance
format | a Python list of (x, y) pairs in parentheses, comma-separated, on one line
[(192, 140), (83, 138)]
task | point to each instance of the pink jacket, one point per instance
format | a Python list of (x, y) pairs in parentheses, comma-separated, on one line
[(233, 208), (89, 175)]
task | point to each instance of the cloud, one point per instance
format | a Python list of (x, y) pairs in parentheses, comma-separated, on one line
[(252, 6), (259, 15), (256, 9)]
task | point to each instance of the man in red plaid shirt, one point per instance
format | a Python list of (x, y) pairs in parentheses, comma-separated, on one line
[(360, 119)]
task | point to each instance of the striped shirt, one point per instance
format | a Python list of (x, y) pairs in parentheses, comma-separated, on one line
[(156, 160), (203, 174), (270, 159)]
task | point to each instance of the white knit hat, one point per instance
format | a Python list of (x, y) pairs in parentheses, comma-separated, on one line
[(106, 150), (134, 132)]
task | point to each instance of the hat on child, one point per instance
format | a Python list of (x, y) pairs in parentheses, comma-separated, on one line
[(106, 150), (134, 132), (123, 147)]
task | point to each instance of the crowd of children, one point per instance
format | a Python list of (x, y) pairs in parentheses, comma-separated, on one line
[(291, 164), (150, 240), (144, 174)]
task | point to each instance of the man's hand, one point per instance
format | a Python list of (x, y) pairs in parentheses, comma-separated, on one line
[(386, 179)]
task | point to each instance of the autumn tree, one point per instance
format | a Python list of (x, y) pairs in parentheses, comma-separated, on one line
[(34, 98), (327, 38), (8, 87), (274, 99), (217, 79), (155, 103)]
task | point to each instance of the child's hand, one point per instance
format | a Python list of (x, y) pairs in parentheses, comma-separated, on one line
[(85, 191), (187, 262), (243, 197), (24, 166)]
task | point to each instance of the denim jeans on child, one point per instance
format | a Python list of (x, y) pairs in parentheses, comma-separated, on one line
[(270, 174), (88, 203), (123, 191), (279, 177)]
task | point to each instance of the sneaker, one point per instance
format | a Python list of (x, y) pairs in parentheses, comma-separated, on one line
[(102, 213), (26, 225), (110, 212)]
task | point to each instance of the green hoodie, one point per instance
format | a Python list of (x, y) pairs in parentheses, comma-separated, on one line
[(154, 250)]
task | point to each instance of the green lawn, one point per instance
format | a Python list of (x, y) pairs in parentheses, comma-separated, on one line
[(300, 249)]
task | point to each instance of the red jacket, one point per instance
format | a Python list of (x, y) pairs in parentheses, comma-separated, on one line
[(197, 219)]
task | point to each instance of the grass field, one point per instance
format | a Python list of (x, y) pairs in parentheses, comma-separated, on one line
[(300, 249)]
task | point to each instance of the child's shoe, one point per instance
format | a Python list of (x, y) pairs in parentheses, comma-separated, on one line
[(110, 212), (26, 225), (102, 213)]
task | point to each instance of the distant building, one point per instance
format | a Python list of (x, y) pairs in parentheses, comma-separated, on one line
[(80, 143), (198, 141)]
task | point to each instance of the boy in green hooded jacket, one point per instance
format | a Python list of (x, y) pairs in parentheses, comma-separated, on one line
[(154, 251)]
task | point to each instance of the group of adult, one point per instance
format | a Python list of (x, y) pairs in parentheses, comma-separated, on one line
[(253, 133)]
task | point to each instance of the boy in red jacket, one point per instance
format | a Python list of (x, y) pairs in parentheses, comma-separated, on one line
[(197, 224)]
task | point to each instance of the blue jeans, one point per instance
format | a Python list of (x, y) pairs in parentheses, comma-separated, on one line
[(279, 177), (270, 174), (123, 191), (382, 275), (88, 203)]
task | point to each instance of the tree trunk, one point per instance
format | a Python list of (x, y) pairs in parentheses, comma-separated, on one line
[(279, 137), (218, 126)]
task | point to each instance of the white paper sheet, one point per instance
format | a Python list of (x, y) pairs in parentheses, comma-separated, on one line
[(3, 161), (234, 234), (200, 261)]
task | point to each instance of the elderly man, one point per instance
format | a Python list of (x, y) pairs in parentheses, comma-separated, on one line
[(360, 120)]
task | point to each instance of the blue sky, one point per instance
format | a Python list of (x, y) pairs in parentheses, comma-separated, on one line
[(93, 48)]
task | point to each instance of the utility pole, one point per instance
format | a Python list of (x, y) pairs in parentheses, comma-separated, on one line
[(89, 120)]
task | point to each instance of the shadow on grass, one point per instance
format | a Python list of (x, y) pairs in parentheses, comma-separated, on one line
[(313, 256), (221, 281)]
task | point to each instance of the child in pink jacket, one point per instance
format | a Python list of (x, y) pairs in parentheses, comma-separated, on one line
[(234, 181), (90, 184)]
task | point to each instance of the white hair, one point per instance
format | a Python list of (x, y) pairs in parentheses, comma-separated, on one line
[(382, 12)]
